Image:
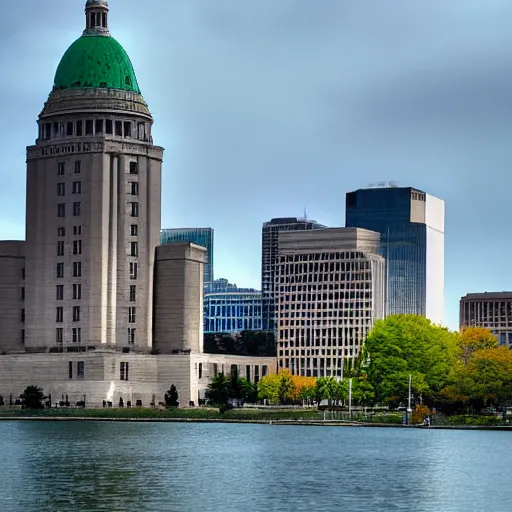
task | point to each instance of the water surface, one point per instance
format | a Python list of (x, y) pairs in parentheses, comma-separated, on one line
[(125, 467)]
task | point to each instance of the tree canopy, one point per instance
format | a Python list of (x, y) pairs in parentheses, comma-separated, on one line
[(403, 345)]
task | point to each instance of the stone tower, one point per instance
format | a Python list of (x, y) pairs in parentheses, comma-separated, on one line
[(93, 203)]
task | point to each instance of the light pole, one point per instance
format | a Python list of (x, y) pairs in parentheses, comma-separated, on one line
[(409, 410)]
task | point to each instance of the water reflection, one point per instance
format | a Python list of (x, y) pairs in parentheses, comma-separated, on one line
[(49, 466)]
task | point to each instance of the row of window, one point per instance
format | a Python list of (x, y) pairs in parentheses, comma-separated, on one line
[(76, 289), (76, 335), (80, 128), (61, 168), (124, 370)]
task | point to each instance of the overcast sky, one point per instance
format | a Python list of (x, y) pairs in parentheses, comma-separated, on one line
[(267, 106)]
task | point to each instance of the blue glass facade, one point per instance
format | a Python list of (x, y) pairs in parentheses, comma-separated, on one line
[(403, 243), (228, 308), (199, 236)]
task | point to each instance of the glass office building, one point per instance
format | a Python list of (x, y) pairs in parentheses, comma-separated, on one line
[(411, 224), (269, 261), (228, 308), (199, 236)]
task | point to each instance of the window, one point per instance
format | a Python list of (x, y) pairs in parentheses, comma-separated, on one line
[(134, 249), (77, 269), (69, 128), (133, 270), (70, 369), (131, 314), (80, 369), (77, 230), (133, 293), (60, 248), (59, 315), (23, 273), (77, 334), (99, 126), (61, 210), (108, 127), (200, 373), (61, 189), (60, 292), (61, 232), (77, 291), (60, 270), (22, 316), (79, 128), (88, 127), (61, 169), (23, 335), (78, 167), (134, 229), (131, 335), (134, 188), (76, 313), (123, 371), (76, 209), (77, 187), (135, 209), (23, 293), (134, 168), (119, 128), (59, 335), (127, 128), (77, 246)]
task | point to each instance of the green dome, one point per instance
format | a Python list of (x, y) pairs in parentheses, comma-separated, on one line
[(97, 62)]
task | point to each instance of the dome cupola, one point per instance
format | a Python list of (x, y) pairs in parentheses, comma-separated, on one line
[(96, 17)]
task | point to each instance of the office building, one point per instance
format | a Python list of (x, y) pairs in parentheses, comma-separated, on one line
[(269, 258), (411, 224), (94, 310), (198, 236), (228, 308), (492, 310), (330, 290)]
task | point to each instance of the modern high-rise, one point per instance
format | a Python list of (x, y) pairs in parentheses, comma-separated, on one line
[(492, 310), (93, 202), (228, 308), (198, 236), (269, 258), (330, 290), (411, 224)]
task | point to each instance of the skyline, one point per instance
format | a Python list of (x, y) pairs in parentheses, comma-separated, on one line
[(277, 94)]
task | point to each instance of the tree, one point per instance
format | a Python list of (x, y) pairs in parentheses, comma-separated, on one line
[(33, 398), (471, 339), (403, 345), (285, 388), (268, 388), (362, 391), (249, 390), (218, 389), (171, 397)]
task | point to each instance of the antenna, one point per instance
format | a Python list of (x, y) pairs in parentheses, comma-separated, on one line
[(305, 213)]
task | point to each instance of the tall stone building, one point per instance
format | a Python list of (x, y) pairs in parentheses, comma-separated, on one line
[(331, 287), (92, 311), (93, 202)]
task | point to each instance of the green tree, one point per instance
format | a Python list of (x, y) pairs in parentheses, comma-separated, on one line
[(285, 387), (249, 390), (403, 345), (362, 392), (171, 397), (219, 389), (33, 398)]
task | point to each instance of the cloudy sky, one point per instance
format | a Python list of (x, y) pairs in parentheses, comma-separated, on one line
[(265, 107)]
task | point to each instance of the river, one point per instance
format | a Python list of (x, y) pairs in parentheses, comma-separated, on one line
[(125, 467)]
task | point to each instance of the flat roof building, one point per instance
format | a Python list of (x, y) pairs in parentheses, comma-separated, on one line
[(330, 289), (492, 310)]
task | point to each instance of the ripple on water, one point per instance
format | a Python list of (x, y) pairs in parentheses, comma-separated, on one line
[(52, 466)]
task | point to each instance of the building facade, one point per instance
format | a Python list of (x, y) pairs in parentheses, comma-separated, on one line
[(269, 259), (198, 236), (228, 308), (492, 310), (94, 310), (93, 202), (331, 288), (411, 224)]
